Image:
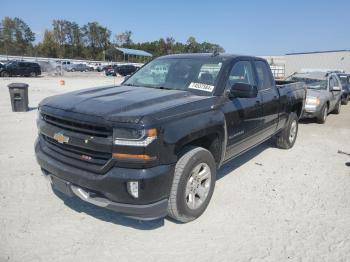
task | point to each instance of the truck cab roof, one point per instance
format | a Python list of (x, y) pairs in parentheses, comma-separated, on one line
[(224, 56)]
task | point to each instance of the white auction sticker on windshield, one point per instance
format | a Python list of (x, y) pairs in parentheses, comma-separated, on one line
[(202, 87)]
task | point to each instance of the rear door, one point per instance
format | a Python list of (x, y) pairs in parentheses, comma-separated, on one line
[(243, 115), (337, 94), (269, 96), (22, 68)]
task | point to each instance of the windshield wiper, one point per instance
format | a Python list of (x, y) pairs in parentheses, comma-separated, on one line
[(162, 87), (130, 85)]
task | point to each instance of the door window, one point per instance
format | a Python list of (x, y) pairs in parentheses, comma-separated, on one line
[(264, 75), (336, 81), (242, 72), (332, 82)]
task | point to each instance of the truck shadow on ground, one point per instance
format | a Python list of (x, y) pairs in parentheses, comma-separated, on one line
[(230, 166), (112, 217)]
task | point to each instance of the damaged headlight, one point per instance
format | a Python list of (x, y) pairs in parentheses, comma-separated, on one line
[(134, 137)]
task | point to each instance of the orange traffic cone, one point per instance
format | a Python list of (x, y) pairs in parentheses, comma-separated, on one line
[(62, 83)]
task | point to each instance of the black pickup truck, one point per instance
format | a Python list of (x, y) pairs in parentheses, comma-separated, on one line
[(151, 147)]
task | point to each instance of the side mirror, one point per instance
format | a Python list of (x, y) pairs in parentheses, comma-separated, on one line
[(242, 90), (336, 88)]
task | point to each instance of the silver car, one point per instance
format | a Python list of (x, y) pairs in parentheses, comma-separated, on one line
[(323, 95)]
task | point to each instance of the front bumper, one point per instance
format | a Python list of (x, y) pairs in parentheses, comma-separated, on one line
[(109, 189), (312, 111)]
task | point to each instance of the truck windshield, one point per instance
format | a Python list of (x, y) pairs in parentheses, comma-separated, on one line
[(197, 75), (320, 84)]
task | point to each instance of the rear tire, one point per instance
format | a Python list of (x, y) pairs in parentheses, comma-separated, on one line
[(323, 116), (337, 108), (193, 184), (286, 138), (345, 101)]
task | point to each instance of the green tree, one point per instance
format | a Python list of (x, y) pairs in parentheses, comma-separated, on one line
[(206, 47), (124, 39), (192, 45), (16, 37), (48, 47), (97, 40), (60, 31), (74, 40)]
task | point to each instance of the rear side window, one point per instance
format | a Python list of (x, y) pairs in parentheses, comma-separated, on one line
[(264, 76), (242, 72)]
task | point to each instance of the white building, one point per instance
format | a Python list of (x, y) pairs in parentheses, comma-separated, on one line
[(298, 62)]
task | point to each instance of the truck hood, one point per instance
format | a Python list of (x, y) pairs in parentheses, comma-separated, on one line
[(129, 104)]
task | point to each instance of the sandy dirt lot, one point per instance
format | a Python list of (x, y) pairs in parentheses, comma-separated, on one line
[(268, 205)]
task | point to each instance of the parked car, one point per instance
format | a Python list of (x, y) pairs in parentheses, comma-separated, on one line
[(111, 70), (122, 70), (125, 70), (64, 64), (324, 92), (78, 68), (95, 66), (100, 68), (20, 68), (151, 147), (345, 82)]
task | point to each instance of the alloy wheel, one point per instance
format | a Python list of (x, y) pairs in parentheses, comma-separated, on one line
[(198, 186)]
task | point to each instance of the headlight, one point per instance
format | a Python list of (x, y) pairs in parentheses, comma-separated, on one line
[(313, 101), (134, 137)]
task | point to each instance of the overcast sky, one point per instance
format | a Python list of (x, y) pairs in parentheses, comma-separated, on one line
[(241, 27)]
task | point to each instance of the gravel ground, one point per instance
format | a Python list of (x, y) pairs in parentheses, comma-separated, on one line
[(268, 205)]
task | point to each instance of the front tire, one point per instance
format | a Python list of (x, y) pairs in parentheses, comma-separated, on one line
[(286, 138), (193, 184), (323, 116)]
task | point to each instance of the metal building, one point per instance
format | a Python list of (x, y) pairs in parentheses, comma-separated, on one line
[(310, 61)]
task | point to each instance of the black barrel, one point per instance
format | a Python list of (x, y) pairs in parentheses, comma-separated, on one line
[(19, 97)]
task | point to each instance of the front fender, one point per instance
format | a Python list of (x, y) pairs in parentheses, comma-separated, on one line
[(181, 132)]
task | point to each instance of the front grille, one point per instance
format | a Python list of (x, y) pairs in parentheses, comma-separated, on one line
[(82, 154), (75, 126)]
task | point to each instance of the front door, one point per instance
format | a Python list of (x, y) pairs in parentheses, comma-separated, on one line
[(242, 115), (269, 96)]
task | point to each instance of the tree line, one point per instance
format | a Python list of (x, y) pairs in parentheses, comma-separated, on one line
[(67, 39)]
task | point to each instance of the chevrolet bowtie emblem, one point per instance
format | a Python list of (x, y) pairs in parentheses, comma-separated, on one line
[(60, 138)]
